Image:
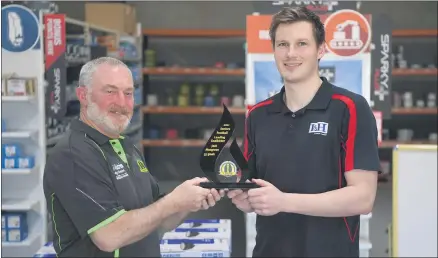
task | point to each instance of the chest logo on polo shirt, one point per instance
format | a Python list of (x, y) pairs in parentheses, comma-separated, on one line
[(319, 128), (141, 166), (119, 171)]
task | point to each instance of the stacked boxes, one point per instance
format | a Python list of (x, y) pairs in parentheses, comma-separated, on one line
[(14, 157), (14, 226), (198, 238)]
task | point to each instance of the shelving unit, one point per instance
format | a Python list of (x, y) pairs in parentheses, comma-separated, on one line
[(23, 128), (86, 37), (190, 57)]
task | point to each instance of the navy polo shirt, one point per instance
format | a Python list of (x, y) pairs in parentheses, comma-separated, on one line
[(309, 151)]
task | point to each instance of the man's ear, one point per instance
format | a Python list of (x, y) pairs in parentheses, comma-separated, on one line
[(81, 93), (321, 51)]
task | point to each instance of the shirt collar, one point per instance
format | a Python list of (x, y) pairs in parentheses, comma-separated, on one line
[(320, 101), (98, 137)]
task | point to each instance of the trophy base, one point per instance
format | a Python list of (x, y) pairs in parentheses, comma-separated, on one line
[(229, 185)]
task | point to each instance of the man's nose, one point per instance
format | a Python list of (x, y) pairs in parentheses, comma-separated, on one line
[(292, 52)]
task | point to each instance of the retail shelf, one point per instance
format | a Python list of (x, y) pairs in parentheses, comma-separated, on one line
[(194, 33), (412, 72), (414, 111), (19, 171), (179, 143), (173, 143), (393, 143), (193, 71), (18, 134), (17, 98), (415, 33), (189, 110), (19, 205)]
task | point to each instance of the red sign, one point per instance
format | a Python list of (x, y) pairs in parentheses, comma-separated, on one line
[(348, 33), (379, 122), (54, 36)]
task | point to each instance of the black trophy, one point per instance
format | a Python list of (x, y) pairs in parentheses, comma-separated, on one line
[(229, 173)]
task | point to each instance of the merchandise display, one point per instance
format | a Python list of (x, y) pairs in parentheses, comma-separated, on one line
[(24, 214), (180, 90), (198, 238), (193, 238)]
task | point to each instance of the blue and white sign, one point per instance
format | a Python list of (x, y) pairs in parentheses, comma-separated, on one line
[(345, 73), (20, 29)]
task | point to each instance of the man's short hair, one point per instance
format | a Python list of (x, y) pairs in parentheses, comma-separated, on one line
[(87, 71)]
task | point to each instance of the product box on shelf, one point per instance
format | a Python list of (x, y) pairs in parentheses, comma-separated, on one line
[(206, 223), (14, 85), (14, 226), (13, 157), (195, 248), (114, 16), (46, 251), (198, 233)]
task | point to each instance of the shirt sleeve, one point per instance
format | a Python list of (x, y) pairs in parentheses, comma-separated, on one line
[(361, 142), (76, 177), (249, 147)]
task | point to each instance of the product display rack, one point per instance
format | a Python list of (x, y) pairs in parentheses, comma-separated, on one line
[(87, 45), (23, 129)]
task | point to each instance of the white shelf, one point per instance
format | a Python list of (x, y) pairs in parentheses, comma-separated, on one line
[(18, 134), (17, 98), (19, 205), (24, 116), (19, 171)]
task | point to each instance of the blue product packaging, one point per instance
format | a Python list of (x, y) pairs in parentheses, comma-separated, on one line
[(16, 226), (11, 150), (26, 162)]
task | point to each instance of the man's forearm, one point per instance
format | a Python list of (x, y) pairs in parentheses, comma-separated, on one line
[(347, 201), (173, 221), (134, 225)]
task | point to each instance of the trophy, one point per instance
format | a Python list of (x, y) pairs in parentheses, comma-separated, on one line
[(230, 172)]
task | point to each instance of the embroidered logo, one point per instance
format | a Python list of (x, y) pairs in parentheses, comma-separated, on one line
[(141, 166), (319, 128), (119, 171)]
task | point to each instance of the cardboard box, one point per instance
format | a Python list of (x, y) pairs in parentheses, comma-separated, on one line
[(114, 16)]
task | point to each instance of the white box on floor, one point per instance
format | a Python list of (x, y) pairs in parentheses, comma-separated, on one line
[(198, 233), (195, 248)]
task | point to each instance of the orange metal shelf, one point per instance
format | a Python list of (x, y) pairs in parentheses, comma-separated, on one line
[(193, 71), (194, 32), (407, 71), (179, 143), (190, 110), (414, 111), (415, 33), (393, 143)]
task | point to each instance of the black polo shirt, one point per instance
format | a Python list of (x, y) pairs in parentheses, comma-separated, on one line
[(309, 151), (89, 181)]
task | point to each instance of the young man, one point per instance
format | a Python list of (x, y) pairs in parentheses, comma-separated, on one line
[(313, 149), (102, 198)]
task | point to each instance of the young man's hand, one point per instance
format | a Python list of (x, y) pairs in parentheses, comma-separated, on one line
[(266, 200), (240, 199)]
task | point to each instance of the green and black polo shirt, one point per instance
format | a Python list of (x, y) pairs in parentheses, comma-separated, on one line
[(89, 181)]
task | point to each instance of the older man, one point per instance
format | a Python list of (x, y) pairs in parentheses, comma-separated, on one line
[(102, 198)]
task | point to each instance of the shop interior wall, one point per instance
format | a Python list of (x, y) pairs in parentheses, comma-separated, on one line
[(226, 15)]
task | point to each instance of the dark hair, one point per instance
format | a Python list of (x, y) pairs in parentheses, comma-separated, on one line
[(289, 15)]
